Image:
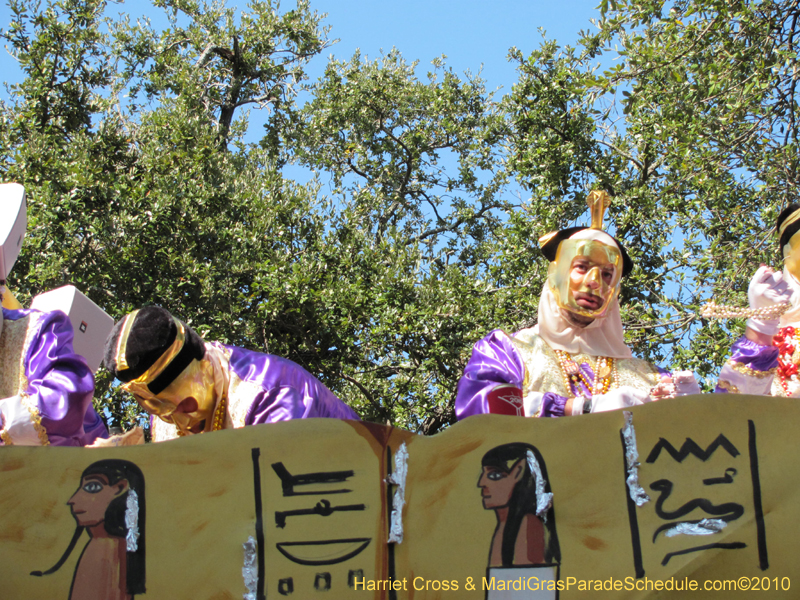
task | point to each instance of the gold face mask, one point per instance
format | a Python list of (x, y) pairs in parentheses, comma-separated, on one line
[(791, 256), (195, 381), (585, 276)]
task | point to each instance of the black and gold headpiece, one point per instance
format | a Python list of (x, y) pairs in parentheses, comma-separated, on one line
[(151, 347), (788, 224)]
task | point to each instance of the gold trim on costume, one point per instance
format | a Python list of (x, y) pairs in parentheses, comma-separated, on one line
[(34, 320), (36, 419), (598, 201), (122, 342), (13, 339), (240, 398), (745, 370), (789, 220), (9, 301), (727, 386), (546, 238), (542, 372), (541, 363), (4, 435)]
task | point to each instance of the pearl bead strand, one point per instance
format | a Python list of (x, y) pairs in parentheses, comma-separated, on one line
[(712, 310)]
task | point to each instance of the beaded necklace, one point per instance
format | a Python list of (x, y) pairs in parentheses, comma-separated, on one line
[(787, 341), (219, 414), (605, 374), (712, 310)]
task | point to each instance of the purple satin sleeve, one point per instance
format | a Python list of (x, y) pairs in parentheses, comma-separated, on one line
[(754, 355), (288, 390), (553, 405), (494, 361), (60, 384)]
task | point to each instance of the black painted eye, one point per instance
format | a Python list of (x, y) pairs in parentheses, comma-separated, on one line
[(495, 475), (92, 487)]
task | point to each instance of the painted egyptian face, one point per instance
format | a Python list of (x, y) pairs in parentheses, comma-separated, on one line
[(186, 402), (585, 277), (498, 485), (90, 502)]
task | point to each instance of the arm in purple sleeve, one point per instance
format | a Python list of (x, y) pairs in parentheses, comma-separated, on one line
[(492, 380), (276, 404), (285, 403), (749, 370), (58, 398), (288, 390)]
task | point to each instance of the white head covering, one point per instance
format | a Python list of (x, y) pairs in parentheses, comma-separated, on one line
[(13, 221), (602, 337), (597, 235)]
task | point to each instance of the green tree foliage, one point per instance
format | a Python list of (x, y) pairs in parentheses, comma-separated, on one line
[(139, 203), (145, 191), (685, 111), (414, 164), (413, 238)]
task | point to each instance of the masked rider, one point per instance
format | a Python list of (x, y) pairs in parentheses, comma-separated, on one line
[(195, 386), (574, 360), (765, 360)]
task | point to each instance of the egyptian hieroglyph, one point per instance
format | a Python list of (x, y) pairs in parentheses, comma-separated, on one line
[(305, 509)]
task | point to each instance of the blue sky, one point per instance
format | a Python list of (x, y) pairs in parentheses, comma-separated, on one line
[(472, 33)]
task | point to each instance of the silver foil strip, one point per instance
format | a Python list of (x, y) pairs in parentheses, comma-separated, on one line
[(132, 521), (544, 500), (703, 527), (637, 493), (250, 568), (398, 478)]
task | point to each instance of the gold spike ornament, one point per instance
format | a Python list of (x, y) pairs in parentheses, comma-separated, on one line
[(598, 201)]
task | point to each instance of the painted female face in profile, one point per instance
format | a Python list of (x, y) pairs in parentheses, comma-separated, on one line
[(497, 485), (90, 502)]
